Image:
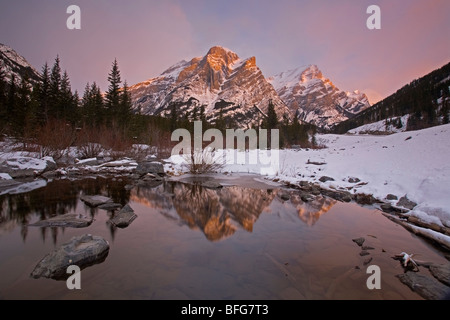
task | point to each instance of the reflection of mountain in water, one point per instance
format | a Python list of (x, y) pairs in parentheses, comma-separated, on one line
[(309, 212), (216, 212)]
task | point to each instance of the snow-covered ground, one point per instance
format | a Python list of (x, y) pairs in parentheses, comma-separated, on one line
[(381, 127), (413, 164)]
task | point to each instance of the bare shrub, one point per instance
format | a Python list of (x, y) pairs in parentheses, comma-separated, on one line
[(204, 162), (55, 138)]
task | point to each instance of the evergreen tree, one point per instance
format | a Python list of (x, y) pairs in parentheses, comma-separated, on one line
[(92, 106), (113, 93), (21, 107), (43, 93), (272, 118), (55, 90), (2, 99), (67, 104), (11, 99), (125, 107)]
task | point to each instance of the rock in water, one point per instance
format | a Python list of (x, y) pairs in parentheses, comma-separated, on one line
[(150, 167), (95, 201), (82, 251), (428, 287), (124, 217), (71, 220), (359, 241)]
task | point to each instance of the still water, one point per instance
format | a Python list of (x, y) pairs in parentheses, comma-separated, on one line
[(243, 241)]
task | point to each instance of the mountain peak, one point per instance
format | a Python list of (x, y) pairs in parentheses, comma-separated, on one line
[(13, 63), (220, 57)]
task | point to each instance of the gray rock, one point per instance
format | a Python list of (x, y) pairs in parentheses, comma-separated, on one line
[(124, 217), (325, 179), (353, 180), (82, 251), (95, 201), (386, 207), (406, 203), (428, 287), (71, 220), (365, 199), (391, 196), (364, 253), (359, 241), (150, 167), (441, 272)]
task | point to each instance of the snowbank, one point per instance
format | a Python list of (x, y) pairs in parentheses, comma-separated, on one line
[(381, 127)]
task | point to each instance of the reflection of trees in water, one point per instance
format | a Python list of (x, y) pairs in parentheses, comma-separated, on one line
[(57, 198)]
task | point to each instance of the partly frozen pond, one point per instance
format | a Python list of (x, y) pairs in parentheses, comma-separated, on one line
[(243, 241)]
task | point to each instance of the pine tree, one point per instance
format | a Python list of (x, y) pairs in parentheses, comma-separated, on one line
[(2, 99), (43, 94), (125, 106), (113, 93), (11, 99), (272, 118), (21, 107), (55, 89), (67, 103)]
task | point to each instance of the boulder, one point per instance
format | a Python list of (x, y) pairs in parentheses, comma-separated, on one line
[(428, 287), (391, 196), (124, 217), (353, 180), (21, 167), (325, 179), (82, 251), (95, 201), (406, 203), (441, 272), (150, 167), (71, 220)]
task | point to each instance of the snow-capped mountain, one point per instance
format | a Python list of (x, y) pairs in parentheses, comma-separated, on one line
[(220, 81), (315, 99), (11, 63)]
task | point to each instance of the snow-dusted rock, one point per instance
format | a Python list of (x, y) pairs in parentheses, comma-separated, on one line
[(23, 166)]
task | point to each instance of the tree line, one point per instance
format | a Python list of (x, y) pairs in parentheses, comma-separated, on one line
[(49, 112), (425, 100)]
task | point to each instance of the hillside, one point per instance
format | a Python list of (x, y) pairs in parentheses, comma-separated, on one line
[(425, 99)]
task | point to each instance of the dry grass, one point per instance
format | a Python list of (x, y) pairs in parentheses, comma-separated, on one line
[(204, 162)]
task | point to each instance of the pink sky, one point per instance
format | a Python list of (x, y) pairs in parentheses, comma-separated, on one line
[(149, 36)]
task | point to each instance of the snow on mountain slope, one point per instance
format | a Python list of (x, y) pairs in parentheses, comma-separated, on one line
[(11, 63), (220, 81), (314, 98), (393, 125)]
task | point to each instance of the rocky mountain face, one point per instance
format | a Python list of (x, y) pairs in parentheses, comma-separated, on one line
[(220, 82), (315, 99), (11, 63)]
